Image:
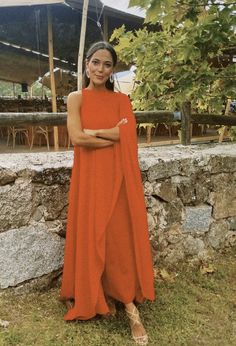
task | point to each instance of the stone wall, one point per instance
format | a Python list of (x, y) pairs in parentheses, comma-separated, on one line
[(191, 200), (190, 196)]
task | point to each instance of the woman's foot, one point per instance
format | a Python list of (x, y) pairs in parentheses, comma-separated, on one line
[(137, 329), (69, 304), (111, 305)]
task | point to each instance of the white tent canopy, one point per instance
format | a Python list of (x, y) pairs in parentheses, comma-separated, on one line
[(8, 3), (123, 5), (125, 81)]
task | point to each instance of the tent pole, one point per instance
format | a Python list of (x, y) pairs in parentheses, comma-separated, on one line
[(81, 43), (31, 91), (52, 77), (14, 90), (105, 27)]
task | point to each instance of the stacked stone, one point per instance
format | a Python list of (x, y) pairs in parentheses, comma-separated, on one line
[(191, 200), (190, 196), (33, 211)]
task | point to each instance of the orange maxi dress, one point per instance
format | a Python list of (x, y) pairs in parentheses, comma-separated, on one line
[(107, 249)]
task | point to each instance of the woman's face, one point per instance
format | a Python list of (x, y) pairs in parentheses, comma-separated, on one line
[(100, 67)]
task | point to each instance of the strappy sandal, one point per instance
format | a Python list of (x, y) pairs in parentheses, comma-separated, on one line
[(134, 319)]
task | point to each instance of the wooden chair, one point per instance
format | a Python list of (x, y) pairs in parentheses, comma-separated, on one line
[(1, 132), (223, 131), (41, 131), (148, 128), (13, 131), (167, 126), (67, 141)]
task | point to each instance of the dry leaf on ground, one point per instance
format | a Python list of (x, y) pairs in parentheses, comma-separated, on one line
[(4, 324), (163, 275), (207, 269)]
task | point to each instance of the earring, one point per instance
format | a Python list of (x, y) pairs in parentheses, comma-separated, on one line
[(111, 78), (87, 73)]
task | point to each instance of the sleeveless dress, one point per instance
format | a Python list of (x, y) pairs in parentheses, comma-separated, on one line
[(107, 249)]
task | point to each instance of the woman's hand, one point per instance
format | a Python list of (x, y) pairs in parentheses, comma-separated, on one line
[(122, 122)]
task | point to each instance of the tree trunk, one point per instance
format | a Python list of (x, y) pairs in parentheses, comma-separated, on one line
[(186, 123)]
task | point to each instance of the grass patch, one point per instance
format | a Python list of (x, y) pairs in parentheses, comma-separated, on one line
[(195, 309)]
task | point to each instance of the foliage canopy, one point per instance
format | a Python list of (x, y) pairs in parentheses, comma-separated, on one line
[(185, 59)]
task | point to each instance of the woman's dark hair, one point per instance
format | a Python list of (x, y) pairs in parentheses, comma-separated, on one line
[(97, 46)]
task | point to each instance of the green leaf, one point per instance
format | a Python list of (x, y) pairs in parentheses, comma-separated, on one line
[(175, 64), (139, 3), (153, 11)]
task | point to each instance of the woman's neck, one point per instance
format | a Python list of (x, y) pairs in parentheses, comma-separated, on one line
[(91, 86)]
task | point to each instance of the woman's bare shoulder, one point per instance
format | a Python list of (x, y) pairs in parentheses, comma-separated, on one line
[(75, 97)]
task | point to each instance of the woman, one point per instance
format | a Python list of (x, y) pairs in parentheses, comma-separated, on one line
[(107, 250)]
